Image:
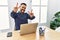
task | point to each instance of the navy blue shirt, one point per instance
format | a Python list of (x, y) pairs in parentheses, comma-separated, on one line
[(20, 19)]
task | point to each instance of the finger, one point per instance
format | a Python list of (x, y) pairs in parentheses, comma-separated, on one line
[(31, 11), (19, 7), (17, 4)]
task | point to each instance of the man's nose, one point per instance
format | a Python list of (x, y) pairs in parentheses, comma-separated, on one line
[(23, 8)]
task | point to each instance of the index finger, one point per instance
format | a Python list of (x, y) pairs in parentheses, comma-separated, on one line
[(17, 4), (31, 11)]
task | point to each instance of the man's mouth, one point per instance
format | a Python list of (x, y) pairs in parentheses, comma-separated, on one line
[(22, 10)]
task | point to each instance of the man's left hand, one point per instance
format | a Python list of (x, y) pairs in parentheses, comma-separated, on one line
[(31, 13)]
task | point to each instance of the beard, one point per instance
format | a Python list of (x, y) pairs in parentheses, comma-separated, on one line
[(22, 11)]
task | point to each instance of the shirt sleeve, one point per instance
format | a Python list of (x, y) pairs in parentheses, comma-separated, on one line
[(31, 18), (13, 14)]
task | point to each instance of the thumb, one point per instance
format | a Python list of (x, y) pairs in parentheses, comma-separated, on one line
[(31, 11), (19, 7)]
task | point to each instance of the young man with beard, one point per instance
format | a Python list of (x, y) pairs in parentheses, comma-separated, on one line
[(21, 17)]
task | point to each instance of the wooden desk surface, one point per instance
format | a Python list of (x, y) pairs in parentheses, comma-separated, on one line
[(32, 36), (17, 36), (41, 38)]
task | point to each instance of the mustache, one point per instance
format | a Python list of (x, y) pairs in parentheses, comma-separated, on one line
[(22, 9)]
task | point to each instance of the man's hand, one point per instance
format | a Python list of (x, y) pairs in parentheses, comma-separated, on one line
[(31, 13), (16, 8)]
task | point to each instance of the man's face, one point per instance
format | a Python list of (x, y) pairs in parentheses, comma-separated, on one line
[(22, 8)]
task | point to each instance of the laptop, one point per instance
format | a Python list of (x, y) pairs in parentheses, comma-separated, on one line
[(28, 28)]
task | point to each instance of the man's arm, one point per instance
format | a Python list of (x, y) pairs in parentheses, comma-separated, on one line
[(31, 17), (14, 12)]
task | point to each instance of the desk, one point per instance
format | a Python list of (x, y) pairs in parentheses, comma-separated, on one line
[(17, 36), (32, 36), (42, 38)]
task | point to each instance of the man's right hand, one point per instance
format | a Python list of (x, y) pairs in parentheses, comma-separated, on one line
[(16, 8)]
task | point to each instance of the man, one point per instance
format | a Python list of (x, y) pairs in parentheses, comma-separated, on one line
[(21, 17)]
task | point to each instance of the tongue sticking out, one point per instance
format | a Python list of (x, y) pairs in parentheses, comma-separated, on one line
[(22, 11)]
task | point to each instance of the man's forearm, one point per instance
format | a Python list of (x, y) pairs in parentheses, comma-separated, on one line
[(13, 14), (32, 17)]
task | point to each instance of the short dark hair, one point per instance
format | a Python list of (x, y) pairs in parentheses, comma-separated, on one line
[(23, 4)]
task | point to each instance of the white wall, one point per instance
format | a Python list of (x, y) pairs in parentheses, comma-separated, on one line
[(53, 7)]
